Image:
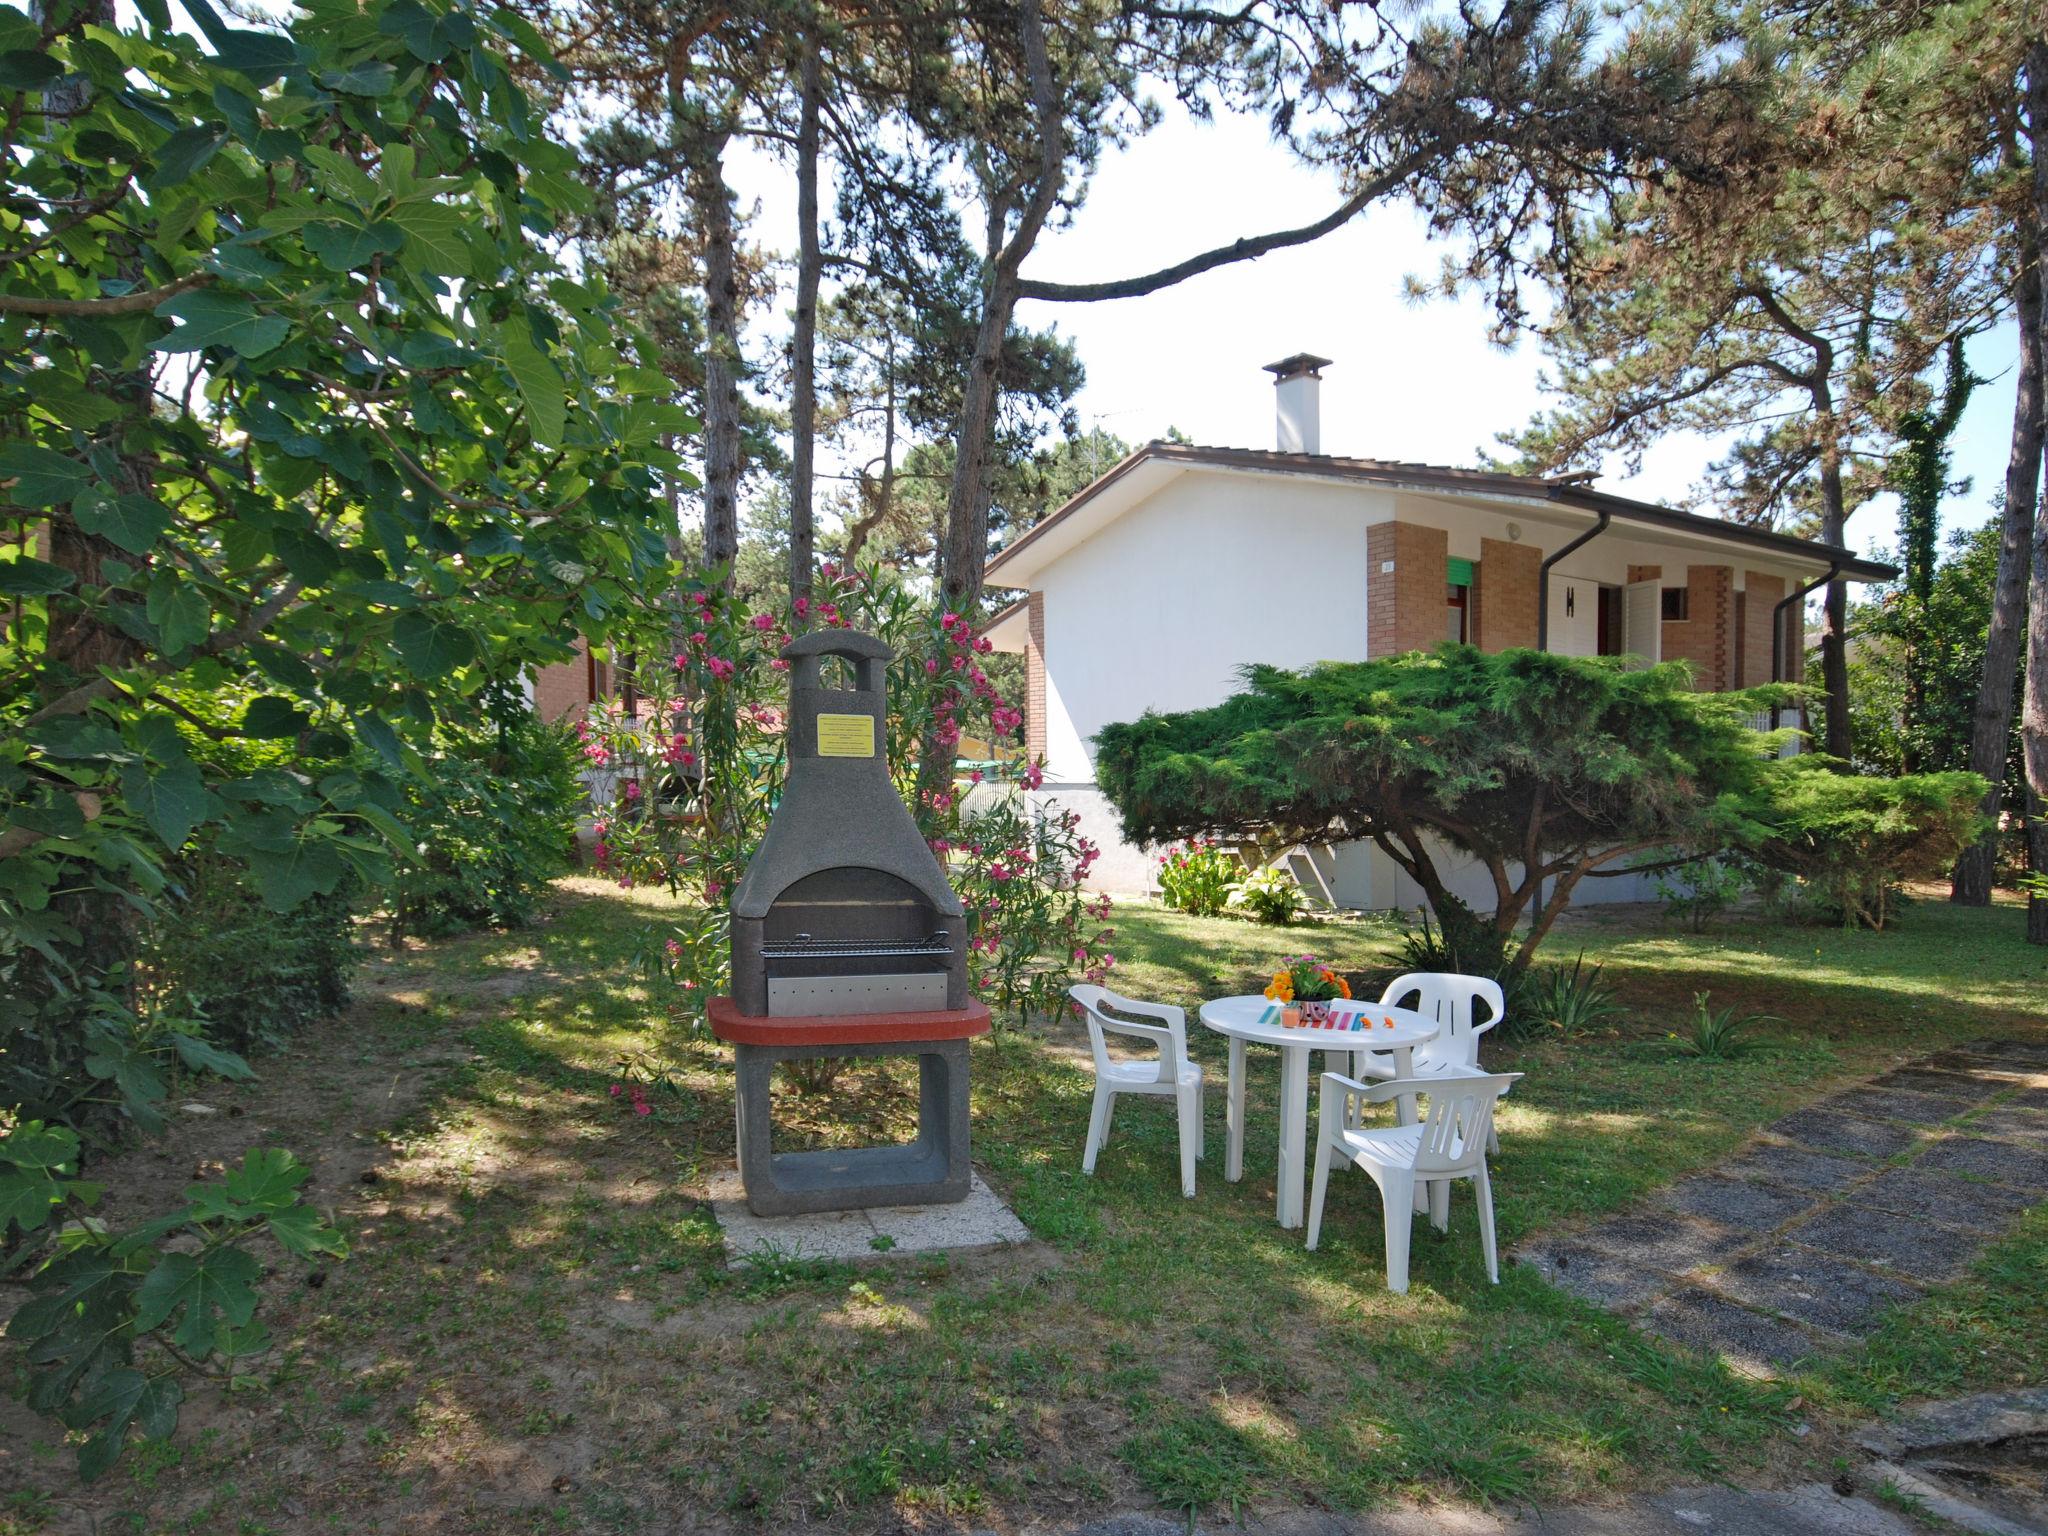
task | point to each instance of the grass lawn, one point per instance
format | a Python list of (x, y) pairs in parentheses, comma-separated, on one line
[(535, 1330)]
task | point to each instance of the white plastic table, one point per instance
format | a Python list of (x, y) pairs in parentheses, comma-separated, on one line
[(1239, 1019)]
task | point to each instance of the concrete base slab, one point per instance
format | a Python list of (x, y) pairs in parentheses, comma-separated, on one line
[(982, 1220)]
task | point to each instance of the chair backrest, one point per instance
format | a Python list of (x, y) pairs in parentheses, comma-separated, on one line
[(1460, 1122), (1449, 999), (1170, 1034)]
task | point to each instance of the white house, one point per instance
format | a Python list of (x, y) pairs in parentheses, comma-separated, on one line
[(1158, 582)]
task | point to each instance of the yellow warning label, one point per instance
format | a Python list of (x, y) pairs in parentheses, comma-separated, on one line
[(846, 735)]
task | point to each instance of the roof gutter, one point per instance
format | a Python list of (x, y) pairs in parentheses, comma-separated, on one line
[(1543, 576), (1798, 594)]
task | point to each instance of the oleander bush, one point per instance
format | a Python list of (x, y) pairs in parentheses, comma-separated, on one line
[(1196, 876)]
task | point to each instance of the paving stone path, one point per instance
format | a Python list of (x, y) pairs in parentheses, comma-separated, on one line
[(1798, 1244)]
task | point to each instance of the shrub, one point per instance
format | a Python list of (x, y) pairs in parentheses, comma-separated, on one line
[(1851, 840), (1697, 893), (1572, 999), (1018, 871), (215, 951), (1271, 896), (1196, 877), (491, 822)]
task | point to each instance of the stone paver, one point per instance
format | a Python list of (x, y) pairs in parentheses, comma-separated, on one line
[(1905, 1245), (1814, 1288), (1999, 1161), (1946, 1198), (1749, 1341), (1831, 1218), (982, 1220), (1594, 1275), (1947, 1085), (1795, 1166), (1747, 1204), (1896, 1104), (1831, 1131)]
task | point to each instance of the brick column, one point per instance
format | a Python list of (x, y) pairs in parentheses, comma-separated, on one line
[(1706, 636), (1404, 607), (1762, 594), (1034, 676), (1504, 590)]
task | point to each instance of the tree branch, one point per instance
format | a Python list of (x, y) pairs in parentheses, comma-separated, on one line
[(124, 304), (1248, 249)]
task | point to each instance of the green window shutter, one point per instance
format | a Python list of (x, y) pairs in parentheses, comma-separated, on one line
[(1461, 573)]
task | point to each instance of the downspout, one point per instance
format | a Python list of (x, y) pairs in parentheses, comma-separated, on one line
[(1543, 578), (1778, 626)]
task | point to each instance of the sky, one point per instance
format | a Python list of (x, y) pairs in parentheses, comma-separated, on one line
[(1407, 381)]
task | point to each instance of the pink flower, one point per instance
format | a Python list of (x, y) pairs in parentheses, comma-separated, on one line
[(959, 662), (984, 645), (931, 667), (803, 606), (642, 1107), (1033, 776), (764, 622), (632, 789), (948, 620), (974, 777), (779, 664), (719, 668), (699, 639), (712, 888), (615, 1090)]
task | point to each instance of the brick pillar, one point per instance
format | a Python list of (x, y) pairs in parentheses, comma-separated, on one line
[(1404, 607), (1706, 635), (1504, 590), (1762, 594), (1034, 677)]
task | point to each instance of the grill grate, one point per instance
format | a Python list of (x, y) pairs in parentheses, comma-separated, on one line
[(804, 947)]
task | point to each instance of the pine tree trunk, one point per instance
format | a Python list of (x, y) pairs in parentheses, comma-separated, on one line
[(803, 405), (1834, 634), (966, 550), (721, 356), (1991, 723), (2034, 713)]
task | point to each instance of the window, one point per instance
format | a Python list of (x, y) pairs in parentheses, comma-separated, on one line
[(1458, 601), (1676, 605)]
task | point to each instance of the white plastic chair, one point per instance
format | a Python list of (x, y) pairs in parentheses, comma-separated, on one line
[(1452, 1001), (1172, 1075), (1449, 1143)]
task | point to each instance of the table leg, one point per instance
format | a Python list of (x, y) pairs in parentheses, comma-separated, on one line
[(1293, 1133), (1233, 1162)]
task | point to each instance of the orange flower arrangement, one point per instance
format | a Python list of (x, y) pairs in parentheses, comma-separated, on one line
[(1305, 979)]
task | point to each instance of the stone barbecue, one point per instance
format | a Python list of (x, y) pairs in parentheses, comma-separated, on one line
[(847, 941)]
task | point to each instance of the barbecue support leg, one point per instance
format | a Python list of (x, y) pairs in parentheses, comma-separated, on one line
[(932, 1170)]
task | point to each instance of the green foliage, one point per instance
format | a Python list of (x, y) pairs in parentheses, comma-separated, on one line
[(1697, 893), (1018, 869), (214, 951), (1722, 1035), (1573, 999), (1196, 877), (306, 439), (1852, 839), (308, 411), (1270, 896), (1490, 754), (95, 1295), (489, 826)]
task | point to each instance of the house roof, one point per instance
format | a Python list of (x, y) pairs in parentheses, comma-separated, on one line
[(1568, 495)]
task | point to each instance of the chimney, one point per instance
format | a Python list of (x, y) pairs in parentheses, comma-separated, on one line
[(1297, 414)]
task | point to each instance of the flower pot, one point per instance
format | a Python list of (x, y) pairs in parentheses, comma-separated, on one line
[(1315, 1015)]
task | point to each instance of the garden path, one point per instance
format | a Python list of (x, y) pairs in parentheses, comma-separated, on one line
[(1799, 1243)]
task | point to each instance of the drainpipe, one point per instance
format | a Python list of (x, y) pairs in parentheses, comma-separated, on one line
[(1778, 626), (1543, 579)]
